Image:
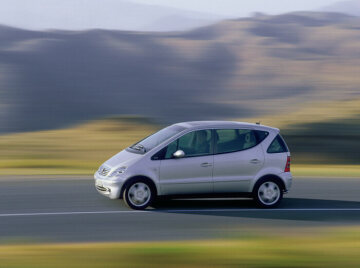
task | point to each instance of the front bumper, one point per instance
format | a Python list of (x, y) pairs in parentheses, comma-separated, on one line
[(108, 188)]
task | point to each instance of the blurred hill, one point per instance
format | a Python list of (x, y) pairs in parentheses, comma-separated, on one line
[(234, 69)]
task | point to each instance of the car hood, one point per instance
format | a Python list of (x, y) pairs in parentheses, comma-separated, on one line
[(124, 158)]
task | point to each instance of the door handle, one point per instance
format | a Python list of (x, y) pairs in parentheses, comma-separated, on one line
[(255, 161), (206, 164)]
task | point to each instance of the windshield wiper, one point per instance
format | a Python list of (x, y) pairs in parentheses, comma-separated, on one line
[(139, 147)]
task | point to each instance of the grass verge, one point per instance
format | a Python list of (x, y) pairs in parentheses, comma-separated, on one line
[(335, 248), (73, 167), (337, 171)]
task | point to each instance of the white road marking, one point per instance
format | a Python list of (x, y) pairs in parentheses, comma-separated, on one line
[(264, 209), (172, 211)]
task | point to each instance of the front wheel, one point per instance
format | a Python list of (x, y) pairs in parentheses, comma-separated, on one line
[(138, 194), (268, 193)]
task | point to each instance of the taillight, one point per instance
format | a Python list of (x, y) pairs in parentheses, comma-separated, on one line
[(287, 166)]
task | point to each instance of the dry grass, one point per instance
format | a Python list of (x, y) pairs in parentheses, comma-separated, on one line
[(80, 150), (77, 150), (339, 171)]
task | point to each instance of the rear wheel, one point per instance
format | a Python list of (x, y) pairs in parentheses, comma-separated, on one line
[(268, 193), (138, 194)]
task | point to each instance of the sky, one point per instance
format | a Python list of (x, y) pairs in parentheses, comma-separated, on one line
[(138, 15), (241, 7)]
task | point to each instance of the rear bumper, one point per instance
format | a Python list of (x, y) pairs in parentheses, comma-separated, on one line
[(108, 188), (287, 179)]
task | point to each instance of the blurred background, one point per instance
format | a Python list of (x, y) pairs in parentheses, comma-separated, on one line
[(81, 80)]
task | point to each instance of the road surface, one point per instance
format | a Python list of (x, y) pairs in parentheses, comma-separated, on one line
[(64, 209)]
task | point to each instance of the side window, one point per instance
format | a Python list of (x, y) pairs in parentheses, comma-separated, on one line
[(226, 140), (166, 152), (195, 143), (171, 149), (249, 137), (277, 146), (232, 140), (261, 135)]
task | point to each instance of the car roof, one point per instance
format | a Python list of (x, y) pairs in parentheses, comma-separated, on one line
[(224, 124)]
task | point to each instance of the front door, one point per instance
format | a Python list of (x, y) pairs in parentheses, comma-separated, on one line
[(192, 173)]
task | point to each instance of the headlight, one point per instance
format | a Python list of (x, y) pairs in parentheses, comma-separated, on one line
[(118, 172)]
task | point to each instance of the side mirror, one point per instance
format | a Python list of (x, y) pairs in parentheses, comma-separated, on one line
[(179, 154)]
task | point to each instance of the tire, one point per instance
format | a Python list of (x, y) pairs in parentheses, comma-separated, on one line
[(268, 193), (139, 194)]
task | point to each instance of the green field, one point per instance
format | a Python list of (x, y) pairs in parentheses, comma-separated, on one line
[(315, 248)]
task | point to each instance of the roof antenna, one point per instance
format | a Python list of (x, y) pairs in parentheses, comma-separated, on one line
[(258, 123)]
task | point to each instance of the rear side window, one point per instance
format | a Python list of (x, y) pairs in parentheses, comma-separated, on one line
[(233, 140), (277, 146), (261, 135)]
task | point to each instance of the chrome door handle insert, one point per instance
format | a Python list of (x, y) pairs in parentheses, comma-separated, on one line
[(206, 164), (255, 161)]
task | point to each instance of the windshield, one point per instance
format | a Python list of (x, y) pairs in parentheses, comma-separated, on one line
[(155, 139)]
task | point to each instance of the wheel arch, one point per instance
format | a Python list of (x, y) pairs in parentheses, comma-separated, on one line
[(270, 176), (137, 177)]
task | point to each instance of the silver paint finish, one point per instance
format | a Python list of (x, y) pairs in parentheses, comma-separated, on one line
[(220, 173)]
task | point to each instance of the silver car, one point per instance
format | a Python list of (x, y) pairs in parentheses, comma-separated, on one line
[(203, 158)]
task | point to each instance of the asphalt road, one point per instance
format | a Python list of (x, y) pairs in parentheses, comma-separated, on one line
[(69, 209)]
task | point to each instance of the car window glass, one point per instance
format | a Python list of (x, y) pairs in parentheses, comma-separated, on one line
[(226, 135), (171, 149), (261, 135), (249, 138), (277, 146), (155, 139), (195, 143), (232, 140)]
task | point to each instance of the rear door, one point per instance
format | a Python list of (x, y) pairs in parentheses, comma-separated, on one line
[(192, 173), (237, 159)]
